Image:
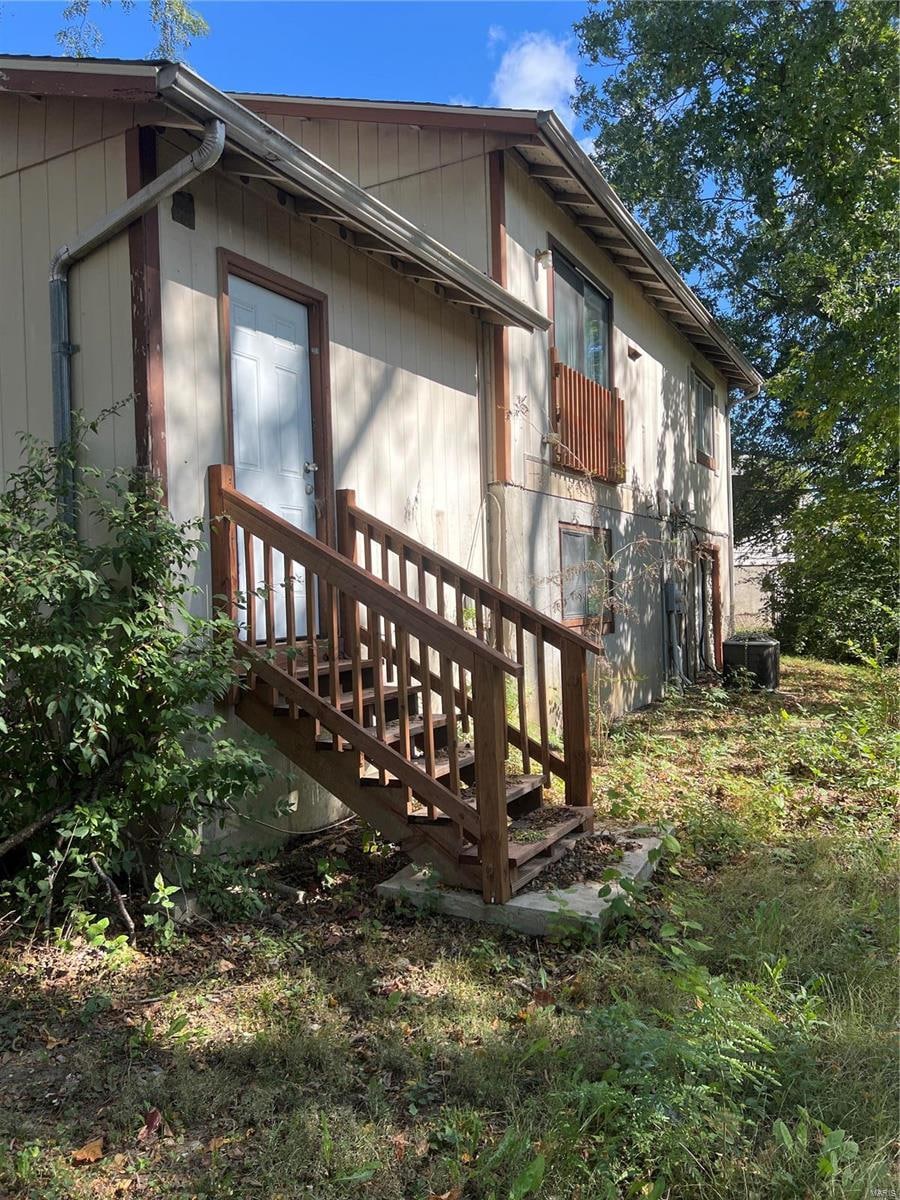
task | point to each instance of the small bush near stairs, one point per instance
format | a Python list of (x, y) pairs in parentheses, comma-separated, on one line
[(112, 759)]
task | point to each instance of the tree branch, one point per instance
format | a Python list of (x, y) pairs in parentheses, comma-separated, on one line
[(28, 831), (115, 895)]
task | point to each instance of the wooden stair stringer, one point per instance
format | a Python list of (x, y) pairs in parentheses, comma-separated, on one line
[(380, 807)]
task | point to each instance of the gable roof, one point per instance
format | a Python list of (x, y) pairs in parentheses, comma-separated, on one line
[(551, 156), (254, 149)]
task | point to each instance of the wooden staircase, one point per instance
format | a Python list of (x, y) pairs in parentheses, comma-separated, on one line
[(404, 692)]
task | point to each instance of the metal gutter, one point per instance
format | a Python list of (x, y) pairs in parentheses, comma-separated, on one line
[(193, 96), (561, 141), (205, 156)]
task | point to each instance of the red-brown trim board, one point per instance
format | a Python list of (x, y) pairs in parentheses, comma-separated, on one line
[(146, 313)]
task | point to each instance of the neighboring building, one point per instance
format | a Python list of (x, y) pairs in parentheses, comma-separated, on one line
[(446, 311)]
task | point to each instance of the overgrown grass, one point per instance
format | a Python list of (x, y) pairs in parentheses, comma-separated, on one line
[(734, 1039)]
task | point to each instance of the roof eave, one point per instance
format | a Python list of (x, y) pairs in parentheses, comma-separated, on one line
[(563, 144), (192, 95)]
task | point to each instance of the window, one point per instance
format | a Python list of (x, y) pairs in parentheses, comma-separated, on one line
[(705, 410), (581, 322), (586, 574)]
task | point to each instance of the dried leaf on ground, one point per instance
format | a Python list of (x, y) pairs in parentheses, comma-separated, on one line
[(151, 1127), (90, 1152)]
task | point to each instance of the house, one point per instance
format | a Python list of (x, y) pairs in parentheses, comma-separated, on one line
[(434, 387)]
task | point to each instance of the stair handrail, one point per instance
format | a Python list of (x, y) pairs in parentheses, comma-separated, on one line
[(228, 508), (554, 631), (353, 580), (575, 768)]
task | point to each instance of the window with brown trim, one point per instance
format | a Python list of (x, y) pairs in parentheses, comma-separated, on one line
[(587, 413), (582, 323), (704, 407), (586, 576)]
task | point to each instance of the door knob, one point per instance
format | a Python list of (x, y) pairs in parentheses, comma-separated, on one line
[(310, 467)]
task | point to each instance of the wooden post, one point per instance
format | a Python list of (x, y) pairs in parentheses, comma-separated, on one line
[(346, 543), (222, 542), (576, 724), (223, 552), (489, 713)]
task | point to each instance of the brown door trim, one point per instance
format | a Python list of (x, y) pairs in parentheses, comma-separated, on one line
[(319, 374), (501, 423), (146, 313), (712, 551)]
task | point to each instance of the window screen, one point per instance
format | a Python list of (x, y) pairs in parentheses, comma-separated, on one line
[(581, 318), (705, 403), (585, 555)]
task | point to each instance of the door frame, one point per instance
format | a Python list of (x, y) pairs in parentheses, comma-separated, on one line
[(316, 303), (714, 553)]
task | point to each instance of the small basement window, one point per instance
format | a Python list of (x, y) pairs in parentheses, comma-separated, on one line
[(587, 576), (705, 415), (581, 322)]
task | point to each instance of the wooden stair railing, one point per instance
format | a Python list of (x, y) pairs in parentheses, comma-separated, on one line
[(508, 625), (277, 576)]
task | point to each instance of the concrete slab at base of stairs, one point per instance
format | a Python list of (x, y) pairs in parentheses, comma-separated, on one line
[(536, 913)]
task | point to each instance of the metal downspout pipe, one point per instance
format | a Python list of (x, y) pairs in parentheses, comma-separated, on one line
[(186, 169)]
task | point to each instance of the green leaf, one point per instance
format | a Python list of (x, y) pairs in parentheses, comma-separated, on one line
[(363, 1175), (783, 1135), (529, 1180)]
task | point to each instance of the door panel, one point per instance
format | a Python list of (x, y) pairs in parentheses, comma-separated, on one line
[(272, 423)]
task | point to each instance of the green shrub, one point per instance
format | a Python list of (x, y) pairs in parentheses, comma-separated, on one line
[(112, 752)]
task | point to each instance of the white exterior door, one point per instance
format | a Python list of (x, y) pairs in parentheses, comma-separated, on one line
[(272, 423)]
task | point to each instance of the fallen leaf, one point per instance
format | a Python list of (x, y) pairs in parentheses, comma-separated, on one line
[(543, 998), (399, 1143), (151, 1127), (216, 1143), (52, 1042), (453, 1194), (90, 1152), (223, 966)]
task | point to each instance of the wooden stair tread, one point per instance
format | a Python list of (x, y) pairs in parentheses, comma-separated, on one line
[(345, 700), (465, 758), (323, 666), (523, 852), (516, 787), (530, 870), (391, 731)]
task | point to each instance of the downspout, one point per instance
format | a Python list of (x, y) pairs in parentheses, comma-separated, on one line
[(186, 169)]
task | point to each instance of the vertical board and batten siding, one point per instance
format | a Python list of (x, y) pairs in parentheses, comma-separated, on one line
[(437, 179), (660, 447), (62, 166), (403, 370)]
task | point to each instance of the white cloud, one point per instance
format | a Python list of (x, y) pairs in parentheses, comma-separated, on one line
[(496, 34), (537, 71)]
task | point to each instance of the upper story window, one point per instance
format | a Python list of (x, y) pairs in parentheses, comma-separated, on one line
[(581, 322), (704, 404)]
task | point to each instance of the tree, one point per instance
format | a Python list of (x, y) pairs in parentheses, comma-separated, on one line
[(757, 141), (176, 23)]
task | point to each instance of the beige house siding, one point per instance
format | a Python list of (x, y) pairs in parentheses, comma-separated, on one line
[(406, 417), (438, 179), (660, 434), (418, 172), (660, 453), (62, 165)]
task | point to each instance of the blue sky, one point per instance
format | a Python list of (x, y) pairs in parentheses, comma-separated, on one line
[(511, 54)]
